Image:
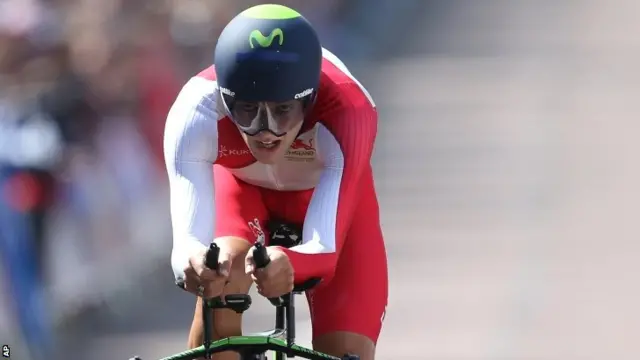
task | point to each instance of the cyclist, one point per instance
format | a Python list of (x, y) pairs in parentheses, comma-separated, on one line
[(278, 128)]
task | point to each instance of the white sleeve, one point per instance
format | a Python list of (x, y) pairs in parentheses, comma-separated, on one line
[(190, 149), (319, 230)]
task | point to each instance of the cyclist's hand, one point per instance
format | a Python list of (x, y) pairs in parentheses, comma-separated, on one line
[(276, 279), (197, 273)]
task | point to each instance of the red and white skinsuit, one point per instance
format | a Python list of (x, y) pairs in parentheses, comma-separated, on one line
[(325, 183)]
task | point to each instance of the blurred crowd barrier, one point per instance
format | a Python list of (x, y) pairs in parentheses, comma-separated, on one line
[(85, 86)]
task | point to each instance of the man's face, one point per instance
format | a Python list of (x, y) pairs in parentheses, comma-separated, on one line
[(265, 146)]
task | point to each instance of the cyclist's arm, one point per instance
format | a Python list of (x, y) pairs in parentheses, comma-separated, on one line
[(346, 144), (190, 149)]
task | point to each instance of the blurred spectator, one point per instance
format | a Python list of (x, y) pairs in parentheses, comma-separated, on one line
[(157, 79), (30, 150)]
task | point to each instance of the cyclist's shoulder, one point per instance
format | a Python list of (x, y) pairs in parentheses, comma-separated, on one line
[(197, 100), (193, 118), (339, 88), (341, 97), (335, 72), (199, 88), (208, 73)]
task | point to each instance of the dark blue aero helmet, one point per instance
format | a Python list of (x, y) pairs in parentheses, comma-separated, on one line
[(268, 53)]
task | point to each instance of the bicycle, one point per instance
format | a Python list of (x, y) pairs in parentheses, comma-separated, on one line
[(254, 346)]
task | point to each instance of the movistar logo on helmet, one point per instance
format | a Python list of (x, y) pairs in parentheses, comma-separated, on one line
[(266, 41)]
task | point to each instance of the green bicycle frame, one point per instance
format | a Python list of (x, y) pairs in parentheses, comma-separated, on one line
[(251, 344)]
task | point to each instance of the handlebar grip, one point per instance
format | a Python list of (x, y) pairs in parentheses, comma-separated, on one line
[(211, 258), (260, 256), (261, 259), (210, 261)]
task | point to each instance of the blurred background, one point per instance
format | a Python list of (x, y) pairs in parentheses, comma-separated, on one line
[(506, 166)]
